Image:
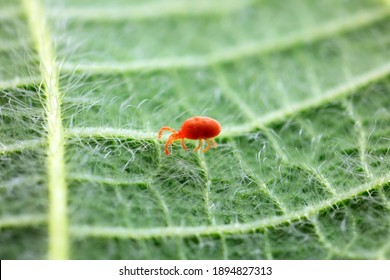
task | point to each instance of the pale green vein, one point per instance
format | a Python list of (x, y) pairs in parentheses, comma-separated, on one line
[(58, 221), (149, 10), (271, 137), (277, 84), (260, 184), (233, 96), (317, 174), (181, 89), (163, 204), (202, 162), (348, 88), (108, 132), (161, 232), (19, 82), (167, 217), (206, 191), (107, 180), (336, 250), (385, 250), (267, 246), (286, 159), (201, 159), (20, 146), (154, 190), (274, 139), (246, 110), (22, 220), (225, 250), (362, 137), (353, 228), (310, 73), (330, 29), (312, 170), (385, 200)]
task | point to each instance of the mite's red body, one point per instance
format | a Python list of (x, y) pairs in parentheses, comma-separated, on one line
[(196, 128)]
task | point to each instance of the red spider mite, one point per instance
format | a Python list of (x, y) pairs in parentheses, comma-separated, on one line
[(196, 128)]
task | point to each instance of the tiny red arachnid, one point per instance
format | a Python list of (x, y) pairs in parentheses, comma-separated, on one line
[(196, 128)]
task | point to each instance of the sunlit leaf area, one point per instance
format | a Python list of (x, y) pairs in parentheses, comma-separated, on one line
[(301, 168)]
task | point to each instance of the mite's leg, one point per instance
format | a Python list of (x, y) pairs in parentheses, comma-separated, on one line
[(164, 128), (199, 145), (183, 144), (214, 143), (171, 138), (208, 146)]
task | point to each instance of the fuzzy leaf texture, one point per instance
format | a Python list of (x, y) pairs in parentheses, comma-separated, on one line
[(301, 88)]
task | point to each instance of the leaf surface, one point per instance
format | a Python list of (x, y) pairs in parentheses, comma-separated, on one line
[(301, 88)]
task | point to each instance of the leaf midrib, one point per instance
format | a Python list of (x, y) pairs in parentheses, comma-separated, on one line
[(58, 220)]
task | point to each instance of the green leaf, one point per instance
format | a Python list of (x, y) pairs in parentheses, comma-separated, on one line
[(300, 87)]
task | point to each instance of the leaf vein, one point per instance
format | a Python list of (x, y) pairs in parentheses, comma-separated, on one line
[(58, 221), (246, 50), (181, 231)]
